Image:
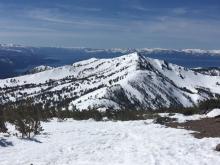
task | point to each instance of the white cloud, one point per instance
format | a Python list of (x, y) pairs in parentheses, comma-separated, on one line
[(55, 16), (179, 11)]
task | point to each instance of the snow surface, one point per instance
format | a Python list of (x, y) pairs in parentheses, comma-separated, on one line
[(110, 143), (214, 113)]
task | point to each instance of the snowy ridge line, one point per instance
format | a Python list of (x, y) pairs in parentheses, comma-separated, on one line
[(129, 81)]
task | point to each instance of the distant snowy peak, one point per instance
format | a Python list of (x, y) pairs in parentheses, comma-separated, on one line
[(185, 51), (158, 50), (197, 52), (193, 52), (38, 69), (129, 81), (200, 51), (9, 45)]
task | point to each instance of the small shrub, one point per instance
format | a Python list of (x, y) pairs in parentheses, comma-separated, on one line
[(171, 114), (3, 127), (164, 120), (27, 127), (150, 116), (190, 111), (124, 115)]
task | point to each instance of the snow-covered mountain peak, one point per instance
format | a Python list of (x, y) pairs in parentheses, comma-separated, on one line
[(134, 56), (128, 81)]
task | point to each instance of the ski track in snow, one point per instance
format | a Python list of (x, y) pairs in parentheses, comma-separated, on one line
[(110, 143)]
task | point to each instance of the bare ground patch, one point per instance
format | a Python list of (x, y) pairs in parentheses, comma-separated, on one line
[(207, 127)]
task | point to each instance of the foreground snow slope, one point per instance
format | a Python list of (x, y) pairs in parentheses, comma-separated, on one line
[(129, 81), (110, 143)]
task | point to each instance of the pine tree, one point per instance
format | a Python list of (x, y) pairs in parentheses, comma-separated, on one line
[(2, 122), (20, 126)]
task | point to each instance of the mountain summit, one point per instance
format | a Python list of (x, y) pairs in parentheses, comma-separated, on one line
[(129, 81)]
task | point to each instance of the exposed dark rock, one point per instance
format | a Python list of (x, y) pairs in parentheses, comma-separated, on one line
[(217, 147)]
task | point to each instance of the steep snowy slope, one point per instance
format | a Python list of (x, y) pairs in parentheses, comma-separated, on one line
[(129, 81)]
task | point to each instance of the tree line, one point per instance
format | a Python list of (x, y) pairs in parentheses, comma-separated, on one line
[(27, 116)]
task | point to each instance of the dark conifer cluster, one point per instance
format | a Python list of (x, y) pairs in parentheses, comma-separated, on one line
[(27, 115)]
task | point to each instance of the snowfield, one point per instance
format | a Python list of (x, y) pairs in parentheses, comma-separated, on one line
[(214, 113), (110, 143)]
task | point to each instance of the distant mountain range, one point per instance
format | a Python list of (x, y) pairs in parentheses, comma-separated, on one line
[(129, 81), (17, 60)]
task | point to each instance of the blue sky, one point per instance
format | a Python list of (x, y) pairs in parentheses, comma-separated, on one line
[(111, 23)]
